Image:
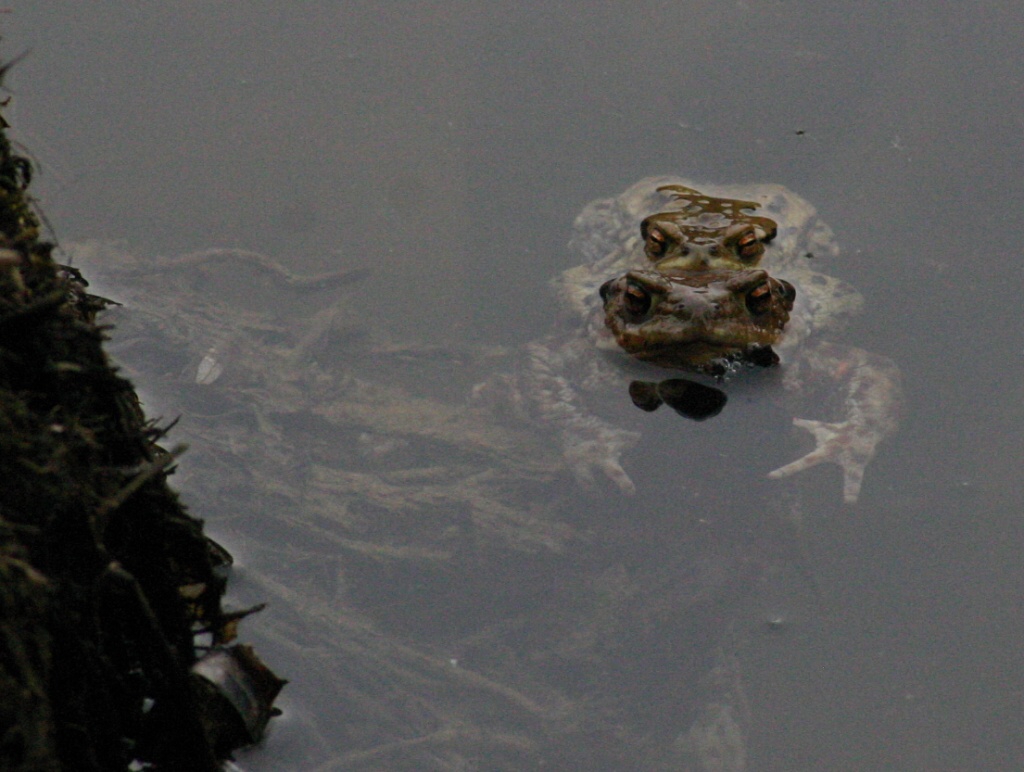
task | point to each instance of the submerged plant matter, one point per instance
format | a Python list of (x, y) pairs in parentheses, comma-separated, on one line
[(438, 587)]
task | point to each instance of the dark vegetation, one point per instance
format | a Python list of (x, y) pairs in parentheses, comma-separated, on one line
[(105, 578)]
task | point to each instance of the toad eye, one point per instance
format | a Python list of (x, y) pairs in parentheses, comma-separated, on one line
[(747, 241), (656, 242), (749, 246), (759, 299), (636, 301)]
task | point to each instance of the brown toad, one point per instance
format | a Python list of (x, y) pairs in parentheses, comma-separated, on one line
[(698, 320), (666, 225)]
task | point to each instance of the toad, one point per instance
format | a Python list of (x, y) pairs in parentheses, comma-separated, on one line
[(636, 249)]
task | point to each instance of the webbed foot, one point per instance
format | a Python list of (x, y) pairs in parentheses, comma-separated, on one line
[(846, 444)]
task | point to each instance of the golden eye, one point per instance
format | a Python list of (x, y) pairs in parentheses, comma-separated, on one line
[(759, 299), (655, 243), (749, 247), (637, 300), (744, 238)]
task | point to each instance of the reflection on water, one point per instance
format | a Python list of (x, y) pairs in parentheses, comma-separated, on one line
[(441, 593), (690, 399)]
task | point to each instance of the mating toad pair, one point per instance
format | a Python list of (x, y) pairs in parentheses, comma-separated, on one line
[(707, 280)]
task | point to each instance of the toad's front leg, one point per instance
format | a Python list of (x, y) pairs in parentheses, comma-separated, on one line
[(591, 446)]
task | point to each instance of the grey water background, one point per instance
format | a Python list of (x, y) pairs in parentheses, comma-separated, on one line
[(448, 145)]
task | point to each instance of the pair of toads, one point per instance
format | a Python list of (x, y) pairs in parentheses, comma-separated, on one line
[(710, 281), (702, 304)]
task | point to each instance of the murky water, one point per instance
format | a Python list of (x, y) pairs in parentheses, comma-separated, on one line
[(447, 147)]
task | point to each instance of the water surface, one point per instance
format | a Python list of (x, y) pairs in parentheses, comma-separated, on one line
[(447, 147)]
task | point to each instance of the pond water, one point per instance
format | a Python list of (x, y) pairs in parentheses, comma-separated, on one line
[(446, 148)]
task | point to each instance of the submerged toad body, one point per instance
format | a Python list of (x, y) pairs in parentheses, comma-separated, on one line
[(704, 280)]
